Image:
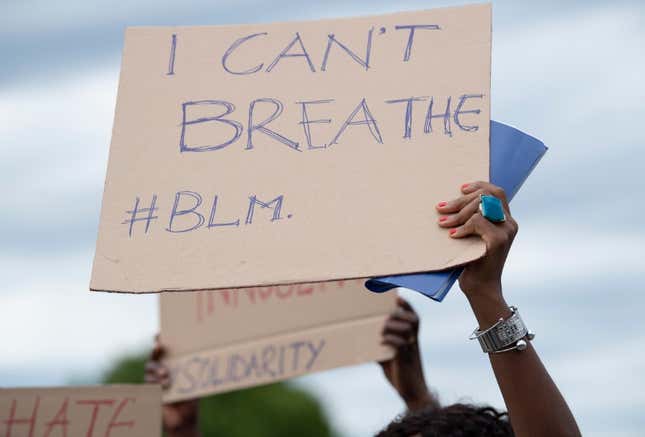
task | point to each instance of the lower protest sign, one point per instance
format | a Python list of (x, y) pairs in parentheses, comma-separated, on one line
[(111, 410), (224, 340)]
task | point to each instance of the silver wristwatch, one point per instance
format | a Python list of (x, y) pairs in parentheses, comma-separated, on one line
[(505, 335)]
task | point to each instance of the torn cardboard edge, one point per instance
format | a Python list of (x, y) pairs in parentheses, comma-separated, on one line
[(296, 282)]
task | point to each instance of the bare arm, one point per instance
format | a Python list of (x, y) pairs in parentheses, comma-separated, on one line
[(179, 419), (405, 371), (535, 405)]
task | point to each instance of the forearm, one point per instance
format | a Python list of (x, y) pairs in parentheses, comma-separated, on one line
[(534, 403), (423, 399), (411, 383)]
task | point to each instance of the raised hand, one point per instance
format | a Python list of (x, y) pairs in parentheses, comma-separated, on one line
[(404, 371), (180, 419)]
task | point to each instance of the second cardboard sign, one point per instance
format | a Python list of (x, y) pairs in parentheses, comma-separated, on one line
[(219, 341)]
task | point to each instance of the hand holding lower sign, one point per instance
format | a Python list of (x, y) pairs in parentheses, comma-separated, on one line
[(462, 216), (179, 418), (405, 371)]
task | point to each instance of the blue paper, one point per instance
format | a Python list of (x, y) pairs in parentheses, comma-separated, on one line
[(513, 156)]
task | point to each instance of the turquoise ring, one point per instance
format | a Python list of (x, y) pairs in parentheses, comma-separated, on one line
[(491, 208)]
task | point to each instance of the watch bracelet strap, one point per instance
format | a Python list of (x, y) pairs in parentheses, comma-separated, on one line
[(502, 334)]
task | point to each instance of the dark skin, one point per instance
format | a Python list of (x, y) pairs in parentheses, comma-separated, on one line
[(179, 419), (405, 371), (535, 406)]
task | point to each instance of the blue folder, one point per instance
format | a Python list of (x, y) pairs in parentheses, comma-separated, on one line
[(513, 156)]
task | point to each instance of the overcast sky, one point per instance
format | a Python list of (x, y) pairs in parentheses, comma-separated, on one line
[(569, 73)]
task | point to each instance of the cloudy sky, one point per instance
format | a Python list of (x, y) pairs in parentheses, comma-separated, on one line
[(569, 74)]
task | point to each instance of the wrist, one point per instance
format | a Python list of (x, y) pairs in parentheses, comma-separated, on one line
[(489, 307), (475, 288)]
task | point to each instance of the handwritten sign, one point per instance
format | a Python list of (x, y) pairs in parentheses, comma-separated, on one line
[(235, 148), (100, 411), (225, 340)]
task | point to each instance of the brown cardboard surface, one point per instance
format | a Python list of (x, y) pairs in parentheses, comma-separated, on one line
[(111, 410), (224, 340), (193, 321), (262, 210), (276, 358)]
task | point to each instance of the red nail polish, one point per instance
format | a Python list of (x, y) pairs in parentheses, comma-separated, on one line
[(464, 186), (443, 219), (452, 231), (442, 204)]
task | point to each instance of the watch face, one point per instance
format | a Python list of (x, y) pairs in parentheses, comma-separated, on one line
[(510, 330), (503, 334), (507, 332)]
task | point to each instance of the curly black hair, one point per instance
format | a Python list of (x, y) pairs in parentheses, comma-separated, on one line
[(458, 420)]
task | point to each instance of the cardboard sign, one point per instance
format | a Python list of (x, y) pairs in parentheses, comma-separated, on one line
[(219, 341), (293, 152), (99, 411)]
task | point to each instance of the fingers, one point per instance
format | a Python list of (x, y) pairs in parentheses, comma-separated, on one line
[(405, 305), (402, 326), (462, 216), (487, 188), (495, 236), (158, 350), (398, 327), (395, 341), (458, 212), (470, 192), (157, 373), (475, 225), (405, 313), (456, 205), (402, 315)]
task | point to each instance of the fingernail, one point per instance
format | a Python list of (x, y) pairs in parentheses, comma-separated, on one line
[(452, 231), (443, 219), (442, 204), (464, 186)]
